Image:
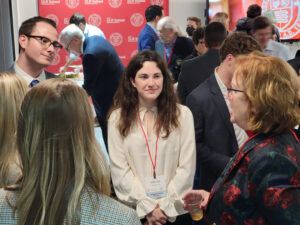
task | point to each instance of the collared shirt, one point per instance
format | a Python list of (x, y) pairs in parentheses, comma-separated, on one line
[(130, 163), (27, 77), (168, 49), (153, 28), (240, 134), (279, 50)]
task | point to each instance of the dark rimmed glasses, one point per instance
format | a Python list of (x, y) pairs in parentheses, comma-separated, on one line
[(46, 42)]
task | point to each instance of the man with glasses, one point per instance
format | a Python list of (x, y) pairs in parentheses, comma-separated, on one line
[(217, 139), (38, 46)]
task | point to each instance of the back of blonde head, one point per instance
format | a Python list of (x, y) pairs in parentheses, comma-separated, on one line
[(59, 153), (271, 87), (12, 92)]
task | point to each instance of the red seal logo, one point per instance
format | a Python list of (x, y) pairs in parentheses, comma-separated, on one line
[(53, 17), (95, 19), (157, 2), (116, 39), (115, 3), (286, 14), (137, 19), (72, 4)]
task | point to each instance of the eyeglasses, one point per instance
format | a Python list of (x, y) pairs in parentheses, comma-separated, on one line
[(46, 42), (230, 90)]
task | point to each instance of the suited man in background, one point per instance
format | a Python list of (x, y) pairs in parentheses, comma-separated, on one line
[(38, 46), (148, 35), (102, 69), (217, 139), (195, 71)]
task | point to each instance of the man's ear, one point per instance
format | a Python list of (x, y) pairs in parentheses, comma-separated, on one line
[(23, 40)]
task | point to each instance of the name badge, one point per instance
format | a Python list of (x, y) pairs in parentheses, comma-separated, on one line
[(156, 188)]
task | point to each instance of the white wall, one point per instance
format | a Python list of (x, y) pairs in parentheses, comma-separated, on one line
[(22, 10), (181, 9)]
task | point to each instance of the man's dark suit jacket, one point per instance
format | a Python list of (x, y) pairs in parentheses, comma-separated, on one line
[(215, 138), (295, 63), (147, 38), (102, 70), (195, 71), (183, 47)]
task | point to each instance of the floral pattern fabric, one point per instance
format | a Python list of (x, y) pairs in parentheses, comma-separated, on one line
[(260, 185)]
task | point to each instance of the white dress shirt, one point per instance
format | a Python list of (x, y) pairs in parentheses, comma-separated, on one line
[(131, 164), (240, 134), (26, 76), (279, 50)]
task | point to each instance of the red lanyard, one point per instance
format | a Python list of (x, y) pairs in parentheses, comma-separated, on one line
[(148, 148)]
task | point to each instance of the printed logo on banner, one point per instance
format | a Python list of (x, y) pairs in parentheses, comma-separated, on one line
[(283, 13), (135, 1), (93, 2), (116, 39), (53, 17), (134, 53), (56, 60), (115, 3), (50, 2), (132, 39), (72, 3), (110, 20), (157, 2), (136, 19), (95, 19)]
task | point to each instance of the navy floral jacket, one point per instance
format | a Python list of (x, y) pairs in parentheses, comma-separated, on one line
[(260, 185)]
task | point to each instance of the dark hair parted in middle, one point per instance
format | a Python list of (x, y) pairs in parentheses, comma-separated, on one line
[(127, 98)]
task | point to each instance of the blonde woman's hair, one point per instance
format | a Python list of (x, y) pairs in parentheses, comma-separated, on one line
[(12, 92), (59, 154), (271, 87)]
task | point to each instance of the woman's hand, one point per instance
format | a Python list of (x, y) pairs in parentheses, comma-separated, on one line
[(201, 195), (156, 217)]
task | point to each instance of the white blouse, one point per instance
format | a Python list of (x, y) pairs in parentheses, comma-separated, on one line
[(131, 164)]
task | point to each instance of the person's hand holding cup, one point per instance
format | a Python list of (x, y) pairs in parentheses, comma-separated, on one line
[(194, 202)]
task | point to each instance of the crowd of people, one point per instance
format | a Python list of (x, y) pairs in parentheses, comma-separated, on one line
[(211, 117)]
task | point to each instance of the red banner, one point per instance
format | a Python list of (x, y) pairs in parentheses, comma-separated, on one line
[(285, 13), (120, 20)]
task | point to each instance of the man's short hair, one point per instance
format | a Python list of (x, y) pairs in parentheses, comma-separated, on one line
[(214, 34), (197, 35), (220, 17), (253, 11), (77, 19), (261, 22), (195, 19), (27, 26), (238, 43), (152, 12)]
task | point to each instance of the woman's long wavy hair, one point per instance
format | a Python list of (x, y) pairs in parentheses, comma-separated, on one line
[(59, 154), (12, 92), (127, 99)]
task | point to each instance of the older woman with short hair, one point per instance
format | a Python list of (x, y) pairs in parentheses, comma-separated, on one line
[(261, 184), (172, 46)]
